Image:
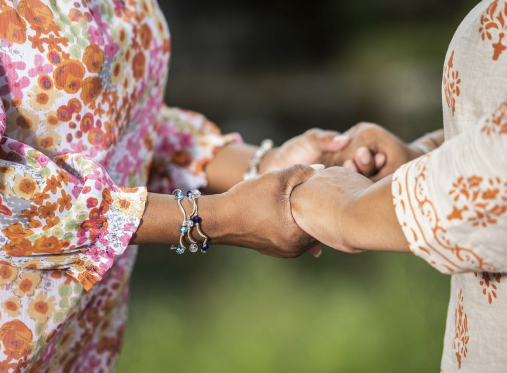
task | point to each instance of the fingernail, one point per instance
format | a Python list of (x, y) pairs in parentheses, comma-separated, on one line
[(364, 155), (380, 160), (339, 139), (349, 165), (316, 251), (317, 167)]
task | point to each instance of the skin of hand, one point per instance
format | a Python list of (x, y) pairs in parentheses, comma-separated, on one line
[(231, 161), (373, 152), (308, 148), (255, 214), (260, 214), (348, 212)]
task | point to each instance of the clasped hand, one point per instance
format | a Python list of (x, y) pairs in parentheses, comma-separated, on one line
[(285, 213)]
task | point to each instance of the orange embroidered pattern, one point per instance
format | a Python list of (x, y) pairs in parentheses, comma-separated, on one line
[(440, 234), (489, 287), (493, 26), (497, 123), (461, 337), (480, 201), (451, 84)]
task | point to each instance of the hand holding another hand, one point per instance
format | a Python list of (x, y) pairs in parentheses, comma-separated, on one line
[(366, 148), (348, 212), (372, 151), (321, 205), (257, 214)]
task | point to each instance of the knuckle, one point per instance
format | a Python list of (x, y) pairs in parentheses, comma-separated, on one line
[(299, 168), (360, 126), (313, 132), (294, 173)]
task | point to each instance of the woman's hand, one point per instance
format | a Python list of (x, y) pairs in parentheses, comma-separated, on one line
[(232, 161), (257, 214), (348, 212), (320, 205), (311, 147), (254, 214), (373, 152)]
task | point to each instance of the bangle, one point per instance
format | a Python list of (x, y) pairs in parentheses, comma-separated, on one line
[(430, 137), (421, 147), (189, 221), (253, 167), (184, 228), (193, 196)]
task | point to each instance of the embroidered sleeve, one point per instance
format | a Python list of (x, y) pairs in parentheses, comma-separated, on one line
[(186, 143), (452, 203), (62, 213)]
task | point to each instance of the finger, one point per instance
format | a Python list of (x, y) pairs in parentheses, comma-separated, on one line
[(365, 162), (293, 176), (339, 142), (318, 167), (327, 141), (384, 172), (316, 251), (380, 160), (349, 165)]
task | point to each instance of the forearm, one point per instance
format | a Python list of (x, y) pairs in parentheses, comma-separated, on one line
[(163, 217), (243, 216), (432, 140), (348, 212), (228, 167), (370, 221)]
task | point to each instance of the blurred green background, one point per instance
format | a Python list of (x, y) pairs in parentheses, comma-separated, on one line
[(273, 69)]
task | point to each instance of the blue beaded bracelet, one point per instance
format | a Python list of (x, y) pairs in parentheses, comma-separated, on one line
[(189, 221), (193, 196)]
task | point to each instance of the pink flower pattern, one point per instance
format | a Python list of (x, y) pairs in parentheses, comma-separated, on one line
[(8, 67), (40, 68)]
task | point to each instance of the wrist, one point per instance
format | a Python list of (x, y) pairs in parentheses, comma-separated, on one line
[(424, 145), (255, 165), (352, 221), (269, 162), (217, 218), (370, 222), (416, 150)]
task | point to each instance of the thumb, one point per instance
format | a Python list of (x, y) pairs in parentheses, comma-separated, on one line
[(293, 176), (327, 141)]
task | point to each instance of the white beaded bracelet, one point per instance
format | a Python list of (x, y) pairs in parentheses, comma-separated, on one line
[(253, 169)]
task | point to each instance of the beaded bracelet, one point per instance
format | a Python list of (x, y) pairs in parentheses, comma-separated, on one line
[(193, 196), (178, 196), (430, 137), (253, 166), (188, 223), (421, 147)]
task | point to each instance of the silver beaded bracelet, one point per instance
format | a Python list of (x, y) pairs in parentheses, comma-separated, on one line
[(421, 147), (253, 168), (189, 221), (193, 196)]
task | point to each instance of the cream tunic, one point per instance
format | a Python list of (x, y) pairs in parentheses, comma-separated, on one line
[(452, 203)]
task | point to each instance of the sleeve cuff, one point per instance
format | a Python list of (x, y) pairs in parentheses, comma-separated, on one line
[(124, 215), (187, 142), (418, 214)]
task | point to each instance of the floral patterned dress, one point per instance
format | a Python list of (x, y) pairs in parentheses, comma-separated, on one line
[(83, 131), (452, 203)]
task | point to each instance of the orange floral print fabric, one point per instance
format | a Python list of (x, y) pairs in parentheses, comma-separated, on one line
[(83, 127)]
